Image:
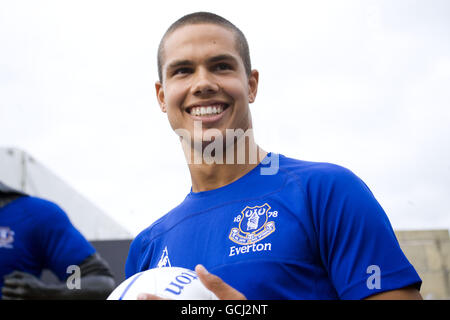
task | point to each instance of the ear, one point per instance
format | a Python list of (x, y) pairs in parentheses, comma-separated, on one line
[(160, 96), (253, 80)]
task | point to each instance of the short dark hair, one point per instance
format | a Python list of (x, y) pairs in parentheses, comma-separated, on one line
[(208, 17)]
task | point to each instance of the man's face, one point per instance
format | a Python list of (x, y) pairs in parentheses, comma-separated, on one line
[(204, 79)]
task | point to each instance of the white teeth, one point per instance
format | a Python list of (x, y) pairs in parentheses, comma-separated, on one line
[(206, 110)]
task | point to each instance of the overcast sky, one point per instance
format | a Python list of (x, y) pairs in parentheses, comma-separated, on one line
[(363, 84)]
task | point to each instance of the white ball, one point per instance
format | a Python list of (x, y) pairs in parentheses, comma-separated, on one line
[(168, 282)]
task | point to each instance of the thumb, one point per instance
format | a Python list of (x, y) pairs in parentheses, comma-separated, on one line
[(215, 284), (17, 275)]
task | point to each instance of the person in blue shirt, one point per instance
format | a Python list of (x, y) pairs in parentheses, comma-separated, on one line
[(36, 234), (257, 224)]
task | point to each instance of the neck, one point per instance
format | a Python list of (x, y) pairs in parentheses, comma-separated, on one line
[(210, 170)]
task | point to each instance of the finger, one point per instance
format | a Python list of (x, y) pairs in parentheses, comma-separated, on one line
[(149, 296), (12, 294), (7, 297), (16, 275), (13, 282), (215, 284)]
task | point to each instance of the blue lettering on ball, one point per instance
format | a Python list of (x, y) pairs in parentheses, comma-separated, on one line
[(176, 287)]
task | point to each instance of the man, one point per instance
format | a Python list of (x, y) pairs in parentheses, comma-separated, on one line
[(291, 230), (35, 234)]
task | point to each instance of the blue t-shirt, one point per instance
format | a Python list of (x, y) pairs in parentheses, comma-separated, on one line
[(36, 234), (310, 231)]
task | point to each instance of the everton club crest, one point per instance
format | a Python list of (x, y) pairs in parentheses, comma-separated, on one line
[(254, 225), (6, 237)]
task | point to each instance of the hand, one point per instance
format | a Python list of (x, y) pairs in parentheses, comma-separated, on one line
[(212, 282), (21, 285)]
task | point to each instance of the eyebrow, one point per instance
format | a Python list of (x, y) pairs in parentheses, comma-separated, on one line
[(220, 57), (179, 63)]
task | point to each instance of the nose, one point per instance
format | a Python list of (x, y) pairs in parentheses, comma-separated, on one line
[(204, 83)]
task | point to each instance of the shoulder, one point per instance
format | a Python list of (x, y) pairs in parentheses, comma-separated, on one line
[(325, 185), (310, 172), (44, 216), (146, 236), (42, 209), (32, 202), (141, 243), (38, 207), (158, 228)]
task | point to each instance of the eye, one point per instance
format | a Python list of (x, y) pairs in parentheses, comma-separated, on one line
[(182, 70), (222, 66)]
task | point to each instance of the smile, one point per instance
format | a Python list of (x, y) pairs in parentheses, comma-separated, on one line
[(207, 110)]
